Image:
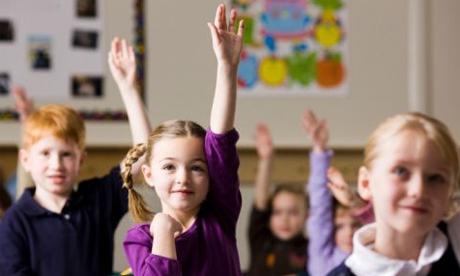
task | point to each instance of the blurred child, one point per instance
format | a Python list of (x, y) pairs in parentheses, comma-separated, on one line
[(58, 227), (277, 242), (194, 173), (330, 228), (410, 173)]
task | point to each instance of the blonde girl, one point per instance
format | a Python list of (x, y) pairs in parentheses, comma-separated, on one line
[(410, 173)]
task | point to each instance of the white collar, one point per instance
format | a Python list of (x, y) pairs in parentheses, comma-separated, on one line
[(365, 261)]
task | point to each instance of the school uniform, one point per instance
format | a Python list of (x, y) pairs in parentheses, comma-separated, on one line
[(208, 247), (77, 241), (437, 257)]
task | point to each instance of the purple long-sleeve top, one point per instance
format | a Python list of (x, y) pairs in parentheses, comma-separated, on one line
[(323, 254), (208, 247)]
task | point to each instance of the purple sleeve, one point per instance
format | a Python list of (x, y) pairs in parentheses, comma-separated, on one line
[(138, 247), (323, 255), (224, 189)]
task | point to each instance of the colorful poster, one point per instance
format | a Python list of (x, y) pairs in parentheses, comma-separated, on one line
[(293, 47)]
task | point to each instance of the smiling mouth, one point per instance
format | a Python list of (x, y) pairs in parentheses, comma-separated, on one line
[(185, 192), (415, 209), (58, 179)]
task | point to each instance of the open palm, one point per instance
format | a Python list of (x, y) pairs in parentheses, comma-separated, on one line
[(226, 41)]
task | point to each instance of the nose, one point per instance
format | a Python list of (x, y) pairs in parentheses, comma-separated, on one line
[(55, 161), (416, 186), (182, 176)]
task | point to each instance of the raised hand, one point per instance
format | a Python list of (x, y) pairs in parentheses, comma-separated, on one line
[(339, 187), (264, 144), (24, 105), (316, 129), (227, 43), (122, 63)]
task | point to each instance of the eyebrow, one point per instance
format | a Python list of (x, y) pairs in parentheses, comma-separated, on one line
[(193, 160)]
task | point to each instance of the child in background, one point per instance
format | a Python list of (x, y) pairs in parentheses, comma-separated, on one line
[(195, 174), (410, 172), (330, 229), (54, 229), (277, 242)]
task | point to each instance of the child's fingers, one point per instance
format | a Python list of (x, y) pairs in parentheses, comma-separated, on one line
[(231, 24), (223, 18), (124, 48), (131, 55), (218, 17), (240, 28), (213, 30)]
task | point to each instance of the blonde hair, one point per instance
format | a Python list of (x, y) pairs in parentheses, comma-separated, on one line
[(58, 120), (169, 129), (426, 126)]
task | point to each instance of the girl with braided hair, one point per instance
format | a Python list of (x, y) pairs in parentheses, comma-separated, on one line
[(194, 173)]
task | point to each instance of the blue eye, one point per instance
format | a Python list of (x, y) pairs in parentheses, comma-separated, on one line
[(401, 171)]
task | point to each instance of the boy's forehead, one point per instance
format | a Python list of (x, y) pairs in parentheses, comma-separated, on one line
[(51, 140)]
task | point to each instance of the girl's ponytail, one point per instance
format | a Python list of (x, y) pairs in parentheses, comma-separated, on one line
[(137, 205)]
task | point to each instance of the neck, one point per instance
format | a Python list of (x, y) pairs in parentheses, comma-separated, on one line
[(399, 246), (185, 218), (49, 201)]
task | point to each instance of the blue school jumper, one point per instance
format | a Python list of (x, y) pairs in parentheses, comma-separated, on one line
[(446, 266), (77, 241)]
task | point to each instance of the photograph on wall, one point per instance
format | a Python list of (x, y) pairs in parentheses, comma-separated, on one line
[(84, 86), (40, 52), (86, 8), (85, 39), (4, 83), (6, 31), (293, 47)]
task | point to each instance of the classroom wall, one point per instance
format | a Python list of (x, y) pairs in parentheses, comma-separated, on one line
[(180, 62)]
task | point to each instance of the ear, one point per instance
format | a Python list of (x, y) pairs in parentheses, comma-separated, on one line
[(24, 158), (83, 156), (364, 188), (147, 172)]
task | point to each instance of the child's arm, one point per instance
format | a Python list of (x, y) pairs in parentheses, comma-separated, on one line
[(264, 148), (227, 45), (220, 143), (122, 64), (25, 107), (320, 221)]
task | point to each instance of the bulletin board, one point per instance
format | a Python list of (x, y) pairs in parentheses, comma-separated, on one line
[(57, 50), (182, 69)]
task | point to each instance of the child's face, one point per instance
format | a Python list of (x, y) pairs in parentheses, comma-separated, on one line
[(345, 226), (409, 184), (179, 174), (54, 164), (288, 215)]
